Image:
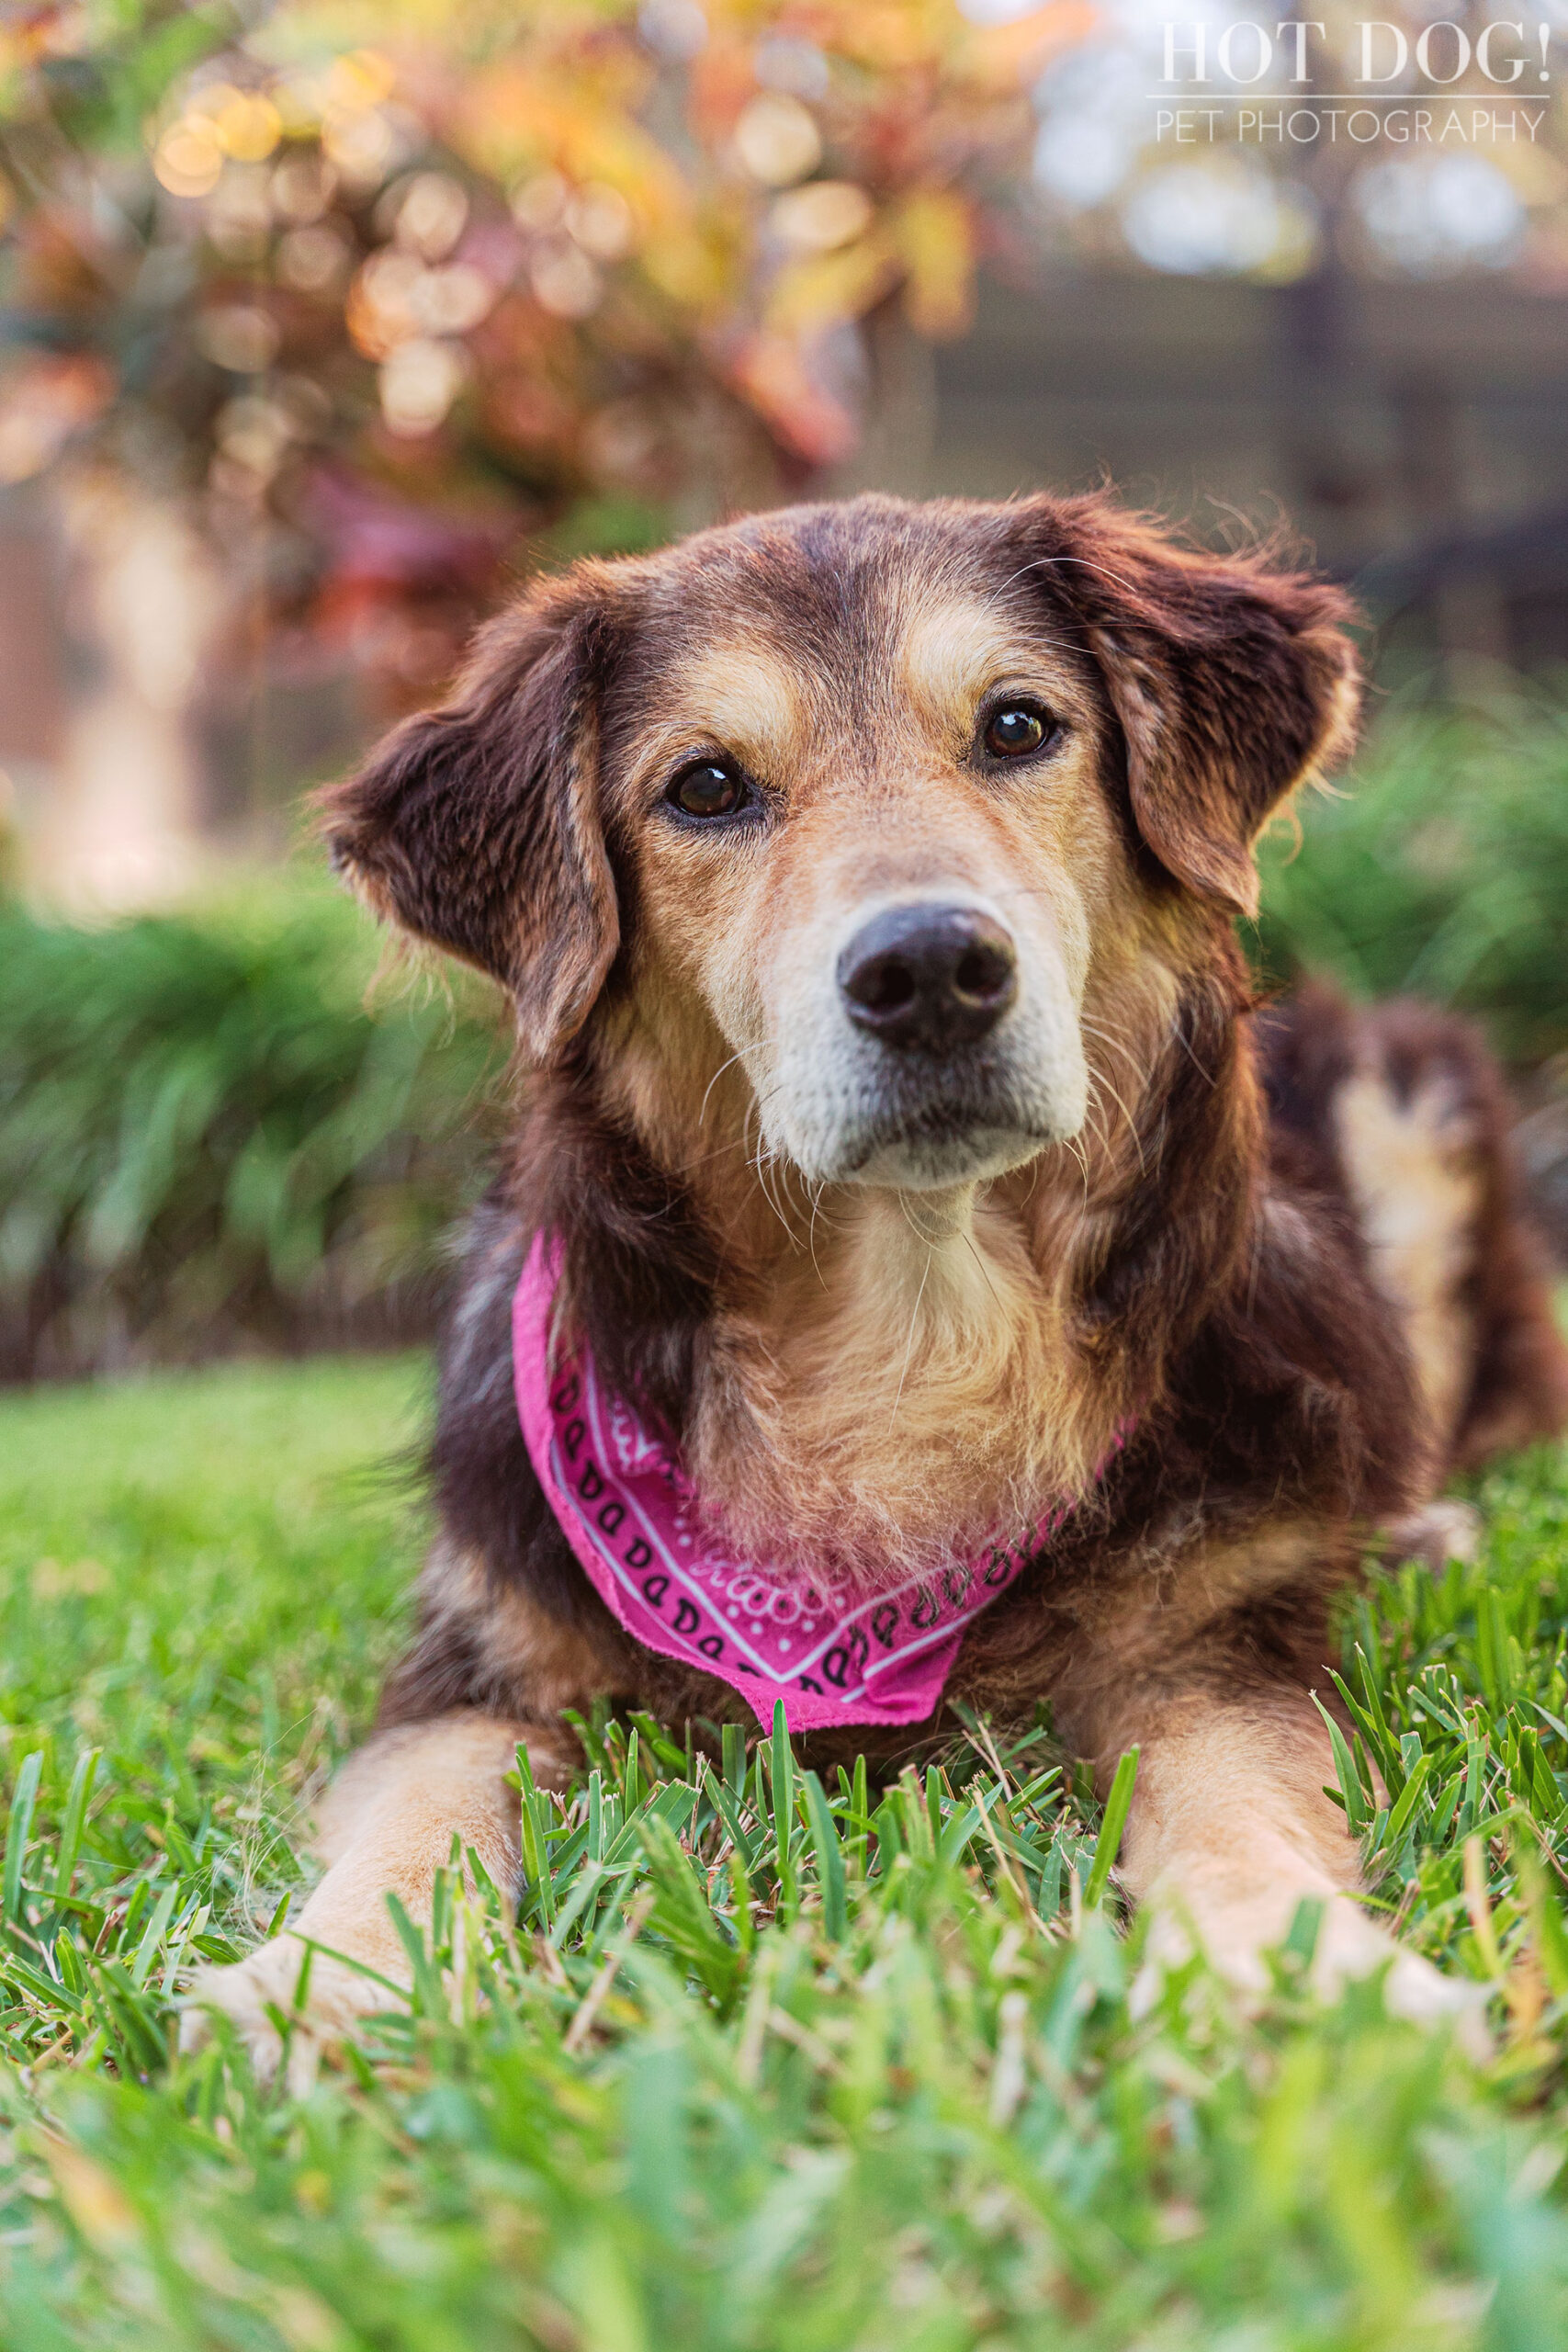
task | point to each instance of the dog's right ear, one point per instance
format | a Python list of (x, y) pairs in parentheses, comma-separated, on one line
[(478, 827)]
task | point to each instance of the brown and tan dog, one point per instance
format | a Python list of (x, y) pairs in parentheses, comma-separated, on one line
[(864, 878)]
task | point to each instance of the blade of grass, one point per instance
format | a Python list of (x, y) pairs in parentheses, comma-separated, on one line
[(829, 1859), (1357, 1813), (74, 1818), (782, 1788), (1117, 1806), (17, 1830)]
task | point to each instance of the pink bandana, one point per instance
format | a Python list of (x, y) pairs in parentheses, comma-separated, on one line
[(832, 1655)]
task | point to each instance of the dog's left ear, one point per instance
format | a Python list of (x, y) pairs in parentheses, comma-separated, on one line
[(477, 826), (1232, 684)]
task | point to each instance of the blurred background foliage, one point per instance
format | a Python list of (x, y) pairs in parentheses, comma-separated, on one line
[(216, 1134), (389, 312), (395, 298), (321, 324), (232, 1127), (1439, 868)]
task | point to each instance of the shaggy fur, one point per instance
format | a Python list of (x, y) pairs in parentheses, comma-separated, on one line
[(882, 1306)]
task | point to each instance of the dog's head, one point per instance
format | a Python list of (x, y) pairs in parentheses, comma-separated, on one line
[(855, 799)]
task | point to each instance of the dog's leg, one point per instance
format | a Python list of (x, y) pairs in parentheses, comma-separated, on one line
[(385, 1826), (1230, 1830)]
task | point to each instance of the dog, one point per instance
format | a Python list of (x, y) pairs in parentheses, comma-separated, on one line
[(909, 1200)]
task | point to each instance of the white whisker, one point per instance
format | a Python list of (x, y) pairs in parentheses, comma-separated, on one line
[(910, 1343), (985, 1273), (702, 1109)]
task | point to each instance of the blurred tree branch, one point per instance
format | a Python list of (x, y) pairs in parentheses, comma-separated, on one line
[(390, 296)]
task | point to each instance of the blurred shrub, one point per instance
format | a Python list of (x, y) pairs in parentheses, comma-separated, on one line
[(209, 1141), (1439, 868)]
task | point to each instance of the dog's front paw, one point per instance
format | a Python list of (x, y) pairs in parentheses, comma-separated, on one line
[(1415, 1989), (1350, 1945), (1236, 1938), (273, 2000)]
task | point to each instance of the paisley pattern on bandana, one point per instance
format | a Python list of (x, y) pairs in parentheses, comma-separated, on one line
[(833, 1653)]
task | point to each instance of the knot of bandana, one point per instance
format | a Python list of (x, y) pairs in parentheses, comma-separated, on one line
[(831, 1653)]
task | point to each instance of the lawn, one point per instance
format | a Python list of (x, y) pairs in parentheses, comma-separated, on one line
[(763, 2063)]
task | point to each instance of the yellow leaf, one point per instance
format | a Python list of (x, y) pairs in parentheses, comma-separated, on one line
[(816, 292), (694, 264), (896, 35), (1004, 57), (935, 239), (514, 117)]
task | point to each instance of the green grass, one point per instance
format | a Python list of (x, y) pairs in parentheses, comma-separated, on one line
[(763, 2062)]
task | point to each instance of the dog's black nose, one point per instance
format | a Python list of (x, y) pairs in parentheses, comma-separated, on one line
[(928, 977)]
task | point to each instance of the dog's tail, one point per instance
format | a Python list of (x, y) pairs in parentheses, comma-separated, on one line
[(1405, 1111)]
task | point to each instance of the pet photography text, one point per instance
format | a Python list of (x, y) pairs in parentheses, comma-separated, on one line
[(1261, 85)]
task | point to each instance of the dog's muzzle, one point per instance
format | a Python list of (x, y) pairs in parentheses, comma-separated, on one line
[(934, 1044)]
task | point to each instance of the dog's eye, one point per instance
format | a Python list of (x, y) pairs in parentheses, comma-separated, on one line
[(1021, 726), (706, 789)]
